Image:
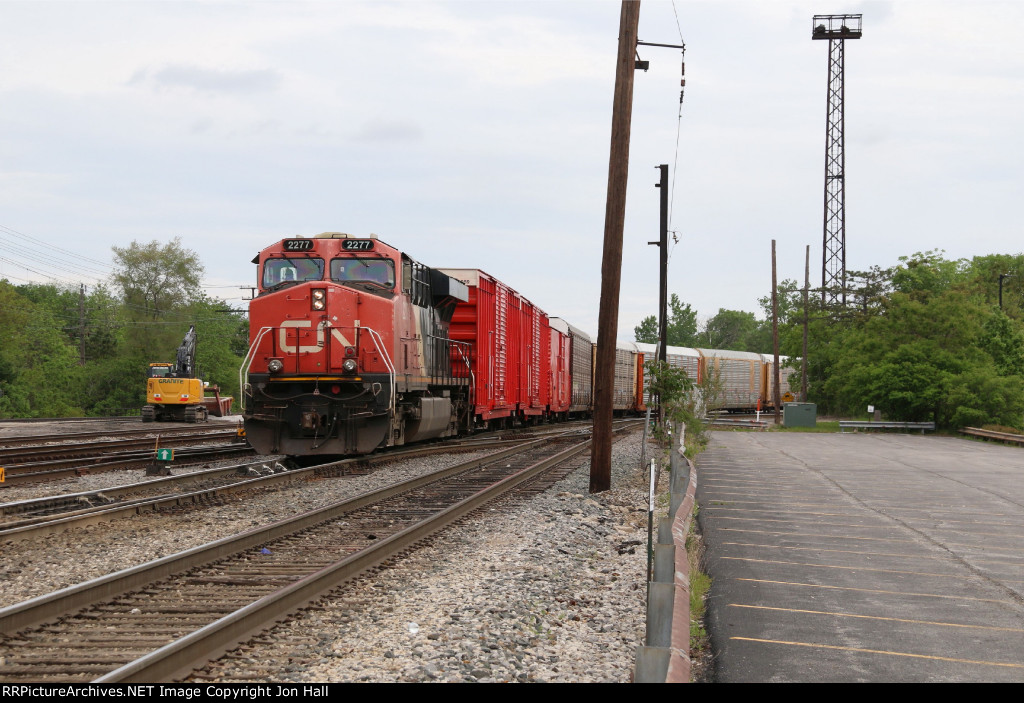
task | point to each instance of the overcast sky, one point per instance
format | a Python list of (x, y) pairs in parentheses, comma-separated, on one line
[(476, 134)]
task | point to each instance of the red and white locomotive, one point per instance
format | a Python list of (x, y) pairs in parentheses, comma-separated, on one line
[(355, 346), (349, 349)]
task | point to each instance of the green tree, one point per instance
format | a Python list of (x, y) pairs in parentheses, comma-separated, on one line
[(222, 341), (680, 329), (730, 329), (926, 273), (790, 302), (933, 350), (155, 279), (39, 373), (647, 330)]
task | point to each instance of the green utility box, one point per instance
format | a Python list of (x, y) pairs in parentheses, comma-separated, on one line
[(799, 415)]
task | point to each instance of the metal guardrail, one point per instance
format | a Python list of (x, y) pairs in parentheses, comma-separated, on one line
[(885, 425), (723, 422), (992, 434), (665, 655)]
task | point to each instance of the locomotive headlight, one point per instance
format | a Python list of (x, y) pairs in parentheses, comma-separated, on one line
[(349, 366), (275, 366), (319, 298)]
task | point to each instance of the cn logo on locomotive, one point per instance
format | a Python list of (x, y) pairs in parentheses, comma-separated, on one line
[(336, 334)]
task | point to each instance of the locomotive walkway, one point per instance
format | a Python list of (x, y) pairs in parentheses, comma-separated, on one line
[(853, 557)]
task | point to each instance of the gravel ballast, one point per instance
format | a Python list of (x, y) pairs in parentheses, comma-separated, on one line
[(549, 587)]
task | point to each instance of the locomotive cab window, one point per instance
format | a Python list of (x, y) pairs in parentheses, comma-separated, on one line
[(280, 271), (368, 273)]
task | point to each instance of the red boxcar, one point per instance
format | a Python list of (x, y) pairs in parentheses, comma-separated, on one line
[(559, 377), (512, 349)]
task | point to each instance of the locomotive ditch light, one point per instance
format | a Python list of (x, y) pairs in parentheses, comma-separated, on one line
[(319, 298), (349, 366), (275, 366)]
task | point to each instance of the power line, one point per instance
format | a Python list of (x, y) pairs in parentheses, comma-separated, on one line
[(50, 246)]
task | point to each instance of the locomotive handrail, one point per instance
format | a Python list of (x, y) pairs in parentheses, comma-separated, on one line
[(250, 356), (472, 379), (378, 342)]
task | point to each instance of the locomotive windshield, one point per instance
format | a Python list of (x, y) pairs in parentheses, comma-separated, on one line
[(280, 271), (375, 272)]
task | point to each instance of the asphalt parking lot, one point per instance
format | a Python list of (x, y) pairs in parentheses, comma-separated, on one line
[(863, 557)]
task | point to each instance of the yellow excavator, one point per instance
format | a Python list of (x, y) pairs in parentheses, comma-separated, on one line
[(174, 392)]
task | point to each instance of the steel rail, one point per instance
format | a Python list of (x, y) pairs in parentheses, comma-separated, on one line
[(179, 658), (12, 456), (17, 474), (73, 598), (54, 523), (152, 432)]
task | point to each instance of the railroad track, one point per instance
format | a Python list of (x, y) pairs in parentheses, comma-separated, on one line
[(34, 420), (50, 514), (51, 440), (37, 453), (160, 620), (52, 470)]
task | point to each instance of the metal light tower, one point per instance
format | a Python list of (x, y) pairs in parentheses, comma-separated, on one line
[(837, 29)]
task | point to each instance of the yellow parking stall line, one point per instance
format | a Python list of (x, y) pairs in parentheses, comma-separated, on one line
[(823, 524), (877, 617), (851, 568), (818, 536), (874, 590), (711, 502), (1017, 525), (982, 545), (813, 645), (716, 508), (806, 495), (973, 534), (715, 481), (933, 511), (868, 554)]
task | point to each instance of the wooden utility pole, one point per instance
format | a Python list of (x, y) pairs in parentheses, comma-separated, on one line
[(777, 376), (807, 290), (81, 324), (611, 264)]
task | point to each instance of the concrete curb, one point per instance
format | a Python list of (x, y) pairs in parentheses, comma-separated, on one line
[(665, 656)]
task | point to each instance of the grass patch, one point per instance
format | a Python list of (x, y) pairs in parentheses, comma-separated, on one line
[(700, 584)]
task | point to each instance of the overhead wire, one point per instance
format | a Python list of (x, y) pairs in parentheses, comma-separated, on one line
[(679, 123), (52, 247), (57, 264)]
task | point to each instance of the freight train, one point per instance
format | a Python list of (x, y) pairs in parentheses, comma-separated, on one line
[(744, 381), (354, 345)]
